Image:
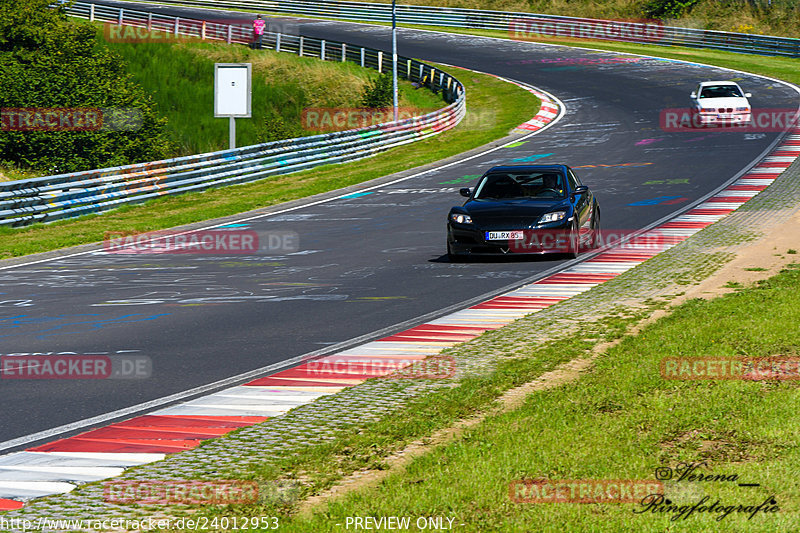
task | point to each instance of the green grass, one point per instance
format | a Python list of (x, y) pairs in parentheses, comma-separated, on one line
[(180, 78), (622, 421), (494, 108)]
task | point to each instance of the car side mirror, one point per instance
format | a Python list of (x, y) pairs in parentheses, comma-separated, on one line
[(580, 189), (465, 192), (693, 95), (748, 95)]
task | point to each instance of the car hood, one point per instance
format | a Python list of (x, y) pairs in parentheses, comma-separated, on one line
[(733, 102), (511, 214)]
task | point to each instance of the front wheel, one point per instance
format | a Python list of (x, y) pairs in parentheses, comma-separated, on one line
[(574, 241), (597, 238), (452, 257)]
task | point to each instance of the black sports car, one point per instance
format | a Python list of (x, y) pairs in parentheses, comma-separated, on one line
[(524, 209)]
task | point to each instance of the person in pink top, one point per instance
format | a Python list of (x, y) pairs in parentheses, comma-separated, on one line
[(258, 31)]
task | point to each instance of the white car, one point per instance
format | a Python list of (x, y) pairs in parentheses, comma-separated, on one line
[(720, 102)]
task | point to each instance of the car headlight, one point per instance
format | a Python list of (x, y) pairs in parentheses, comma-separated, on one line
[(742, 109), (555, 216), (460, 218)]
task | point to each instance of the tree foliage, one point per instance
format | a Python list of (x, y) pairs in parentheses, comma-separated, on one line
[(48, 61)]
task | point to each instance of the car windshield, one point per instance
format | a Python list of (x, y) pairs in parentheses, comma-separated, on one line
[(538, 184), (721, 91)]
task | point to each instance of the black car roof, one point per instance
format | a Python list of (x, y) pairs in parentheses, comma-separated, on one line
[(529, 168)]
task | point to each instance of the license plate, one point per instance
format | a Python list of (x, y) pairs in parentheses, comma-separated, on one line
[(725, 116), (503, 235)]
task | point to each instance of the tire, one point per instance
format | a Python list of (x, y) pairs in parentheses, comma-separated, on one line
[(452, 257), (597, 238), (574, 249)]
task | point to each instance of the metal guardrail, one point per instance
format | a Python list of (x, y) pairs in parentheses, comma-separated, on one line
[(50, 198), (520, 25)]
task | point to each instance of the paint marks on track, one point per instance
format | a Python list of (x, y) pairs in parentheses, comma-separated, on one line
[(661, 200)]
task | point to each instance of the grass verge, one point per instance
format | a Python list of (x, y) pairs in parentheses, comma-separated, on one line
[(494, 107), (623, 420), (179, 76)]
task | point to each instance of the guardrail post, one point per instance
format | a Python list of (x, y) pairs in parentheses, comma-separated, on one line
[(278, 43), (322, 50), (421, 71), (150, 21), (119, 20), (230, 34), (203, 31), (91, 13), (300, 52), (344, 52), (362, 56), (177, 24), (408, 69), (380, 62)]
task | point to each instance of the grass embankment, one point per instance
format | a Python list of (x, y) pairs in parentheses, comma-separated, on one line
[(180, 77), (621, 420), (776, 17), (494, 108)]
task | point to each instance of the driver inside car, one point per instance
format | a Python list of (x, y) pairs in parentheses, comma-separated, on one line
[(550, 182)]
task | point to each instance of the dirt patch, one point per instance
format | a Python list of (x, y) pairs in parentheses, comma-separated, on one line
[(770, 253)]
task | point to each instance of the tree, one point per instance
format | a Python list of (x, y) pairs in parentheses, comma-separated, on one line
[(48, 62)]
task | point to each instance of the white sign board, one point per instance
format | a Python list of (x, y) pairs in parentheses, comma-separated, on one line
[(232, 89)]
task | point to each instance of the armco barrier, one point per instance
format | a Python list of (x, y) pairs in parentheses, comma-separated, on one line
[(50, 198), (523, 24)]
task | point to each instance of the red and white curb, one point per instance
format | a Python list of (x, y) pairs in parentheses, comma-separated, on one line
[(546, 114), (58, 467)]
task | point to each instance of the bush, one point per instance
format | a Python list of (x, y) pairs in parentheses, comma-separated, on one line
[(378, 93), (48, 61), (276, 128), (667, 9)]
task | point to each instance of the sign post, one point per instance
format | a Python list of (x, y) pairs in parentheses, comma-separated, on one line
[(233, 86)]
